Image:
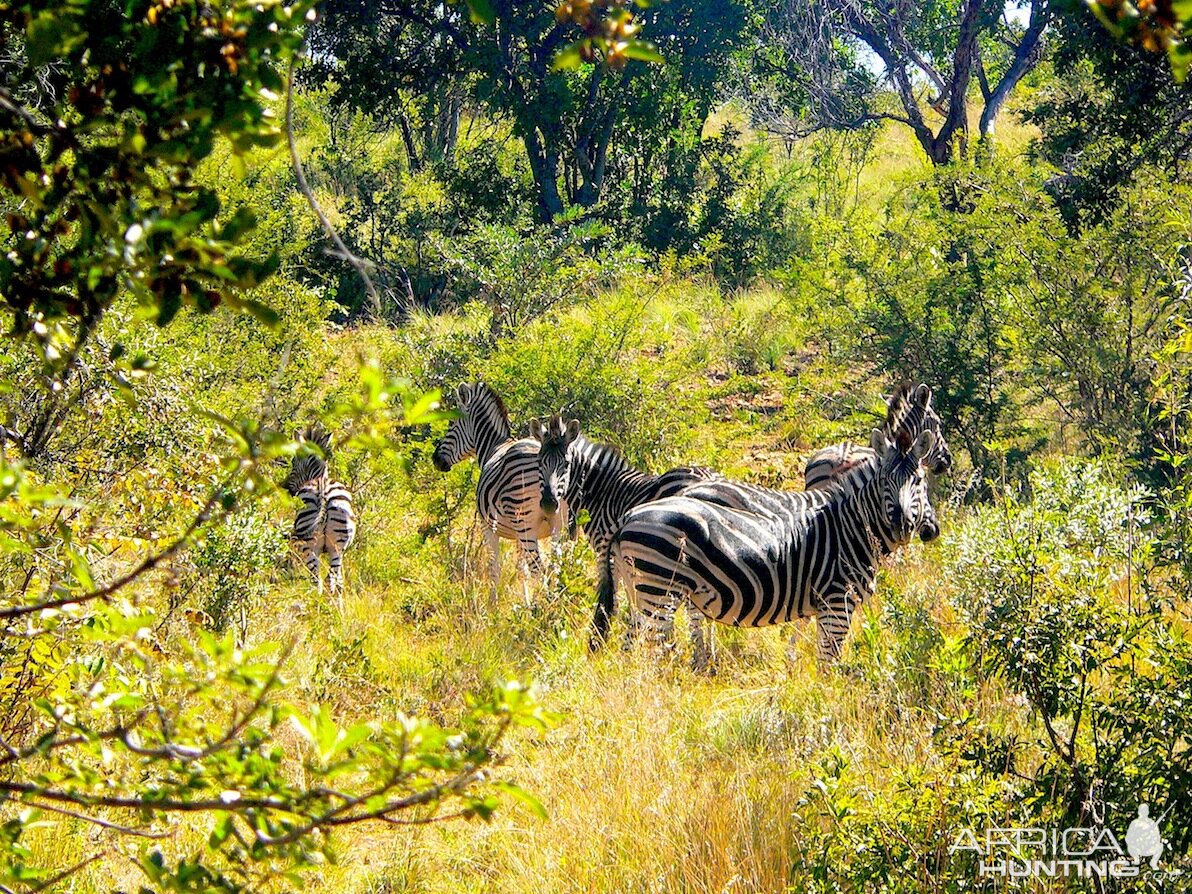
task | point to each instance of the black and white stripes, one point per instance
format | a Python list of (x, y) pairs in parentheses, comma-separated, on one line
[(783, 556), (596, 479), (732, 552), (508, 495), (326, 522)]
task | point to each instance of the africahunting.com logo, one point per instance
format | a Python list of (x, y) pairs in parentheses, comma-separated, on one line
[(1066, 853)]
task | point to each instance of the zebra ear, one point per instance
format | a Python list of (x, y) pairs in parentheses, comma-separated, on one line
[(572, 430), (463, 394), (924, 443), (923, 395), (536, 430), (879, 443)]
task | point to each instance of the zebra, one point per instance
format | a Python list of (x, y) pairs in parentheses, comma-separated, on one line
[(908, 409), (326, 522), (596, 478), (785, 555), (507, 497)]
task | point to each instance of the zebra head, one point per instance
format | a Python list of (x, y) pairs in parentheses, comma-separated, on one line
[(482, 424), (554, 458), (909, 410), (902, 486), (309, 463)]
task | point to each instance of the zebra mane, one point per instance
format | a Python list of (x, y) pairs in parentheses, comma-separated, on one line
[(900, 402), (490, 394), (306, 466)]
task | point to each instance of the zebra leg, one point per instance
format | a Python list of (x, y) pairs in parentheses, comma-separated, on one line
[(532, 566), (606, 603), (792, 645), (702, 649), (494, 563), (656, 616), (832, 624), (335, 574), (310, 559), (606, 593)]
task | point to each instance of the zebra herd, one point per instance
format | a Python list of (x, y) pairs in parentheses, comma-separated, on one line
[(730, 552)]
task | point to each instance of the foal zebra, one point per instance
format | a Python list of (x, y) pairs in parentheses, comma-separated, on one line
[(778, 555), (508, 495), (325, 523), (908, 409), (586, 475)]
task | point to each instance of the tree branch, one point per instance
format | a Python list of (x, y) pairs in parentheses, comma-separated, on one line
[(147, 565), (358, 264)]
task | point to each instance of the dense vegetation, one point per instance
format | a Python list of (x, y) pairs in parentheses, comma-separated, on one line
[(721, 246)]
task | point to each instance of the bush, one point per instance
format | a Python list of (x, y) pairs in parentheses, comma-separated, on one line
[(231, 564), (597, 366), (1050, 587)]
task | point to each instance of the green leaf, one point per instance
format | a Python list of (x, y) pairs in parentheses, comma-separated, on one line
[(168, 306), (523, 797), (482, 12), (417, 412), (643, 51), (1180, 57), (567, 58), (263, 312)]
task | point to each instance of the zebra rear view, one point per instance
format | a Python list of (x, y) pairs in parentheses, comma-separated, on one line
[(326, 522)]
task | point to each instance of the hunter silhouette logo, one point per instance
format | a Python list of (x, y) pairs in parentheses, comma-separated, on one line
[(1143, 840), (1081, 852)]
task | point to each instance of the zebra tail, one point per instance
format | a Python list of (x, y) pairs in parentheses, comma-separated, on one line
[(606, 605)]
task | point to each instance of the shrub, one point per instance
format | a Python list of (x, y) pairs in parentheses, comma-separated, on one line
[(596, 366), (229, 561)]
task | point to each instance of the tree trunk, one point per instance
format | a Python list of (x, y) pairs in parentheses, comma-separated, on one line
[(1024, 60), (407, 138), (544, 165)]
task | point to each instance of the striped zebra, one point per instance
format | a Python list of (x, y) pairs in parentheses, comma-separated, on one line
[(785, 555), (325, 523), (589, 476), (508, 495), (908, 409)]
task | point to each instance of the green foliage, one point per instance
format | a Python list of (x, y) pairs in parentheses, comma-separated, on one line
[(1007, 321), (522, 279), (589, 365), (1052, 587), (131, 731), (1156, 27), (939, 313), (103, 162), (415, 63), (893, 841), (226, 561), (1111, 115)]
